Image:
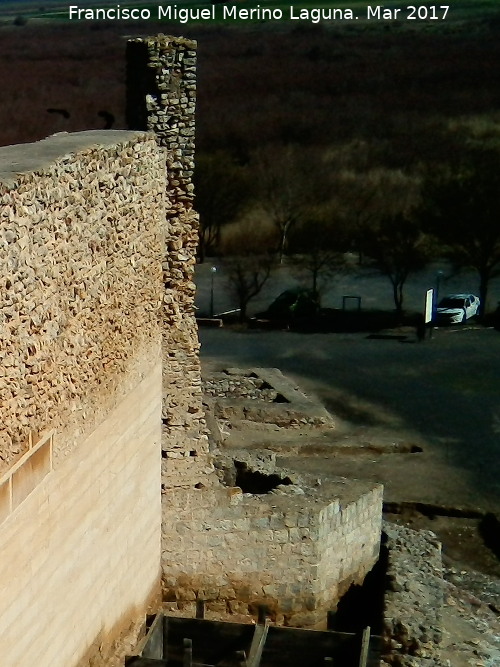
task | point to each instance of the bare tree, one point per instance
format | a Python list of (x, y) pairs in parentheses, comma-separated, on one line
[(319, 244), (399, 248), (248, 263), (462, 209), (366, 197), (288, 184)]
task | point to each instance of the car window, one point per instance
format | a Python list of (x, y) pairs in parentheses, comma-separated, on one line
[(449, 302)]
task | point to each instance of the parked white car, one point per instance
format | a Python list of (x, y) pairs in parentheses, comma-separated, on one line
[(455, 308)]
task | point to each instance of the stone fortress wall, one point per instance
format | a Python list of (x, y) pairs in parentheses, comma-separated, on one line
[(81, 242), (229, 548), (101, 403), (161, 98), (296, 550)]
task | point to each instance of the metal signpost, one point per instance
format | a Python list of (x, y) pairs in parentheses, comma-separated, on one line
[(429, 310)]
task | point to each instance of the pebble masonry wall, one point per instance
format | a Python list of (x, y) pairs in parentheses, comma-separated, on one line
[(161, 85), (230, 549), (81, 242)]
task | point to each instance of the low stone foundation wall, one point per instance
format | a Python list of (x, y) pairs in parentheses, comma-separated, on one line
[(263, 395), (295, 549)]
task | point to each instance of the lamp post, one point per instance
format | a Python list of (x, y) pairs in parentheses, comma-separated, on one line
[(439, 276), (213, 271)]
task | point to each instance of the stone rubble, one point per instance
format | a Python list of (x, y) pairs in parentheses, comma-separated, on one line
[(471, 620), (222, 385), (261, 395), (414, 597), (435, 616)]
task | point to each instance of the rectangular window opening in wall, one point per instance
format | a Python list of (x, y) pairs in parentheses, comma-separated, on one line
[(26, 474)]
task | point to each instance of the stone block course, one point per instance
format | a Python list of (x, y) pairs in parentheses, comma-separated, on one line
[(291, 569)]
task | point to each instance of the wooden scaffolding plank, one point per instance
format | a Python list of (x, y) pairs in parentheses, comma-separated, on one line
[(257, 646), (365, 644)]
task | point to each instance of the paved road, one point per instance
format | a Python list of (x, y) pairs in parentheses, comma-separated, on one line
[(375, 290), (446, 390)]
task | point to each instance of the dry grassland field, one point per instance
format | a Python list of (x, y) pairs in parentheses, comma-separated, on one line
[(390, 85)]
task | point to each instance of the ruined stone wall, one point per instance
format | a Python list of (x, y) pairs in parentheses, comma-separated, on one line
[(234, 550), (413, 614), (161, 85), (81, 243), (295, 550)]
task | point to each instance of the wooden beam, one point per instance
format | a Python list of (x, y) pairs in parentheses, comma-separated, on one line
[(365, 643), (241, 658), (257, 646), (165, 637), (200, 609), (153, 646), (261, 614)]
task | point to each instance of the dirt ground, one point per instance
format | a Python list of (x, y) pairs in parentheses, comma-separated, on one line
[(424, 489), (423, 419)]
